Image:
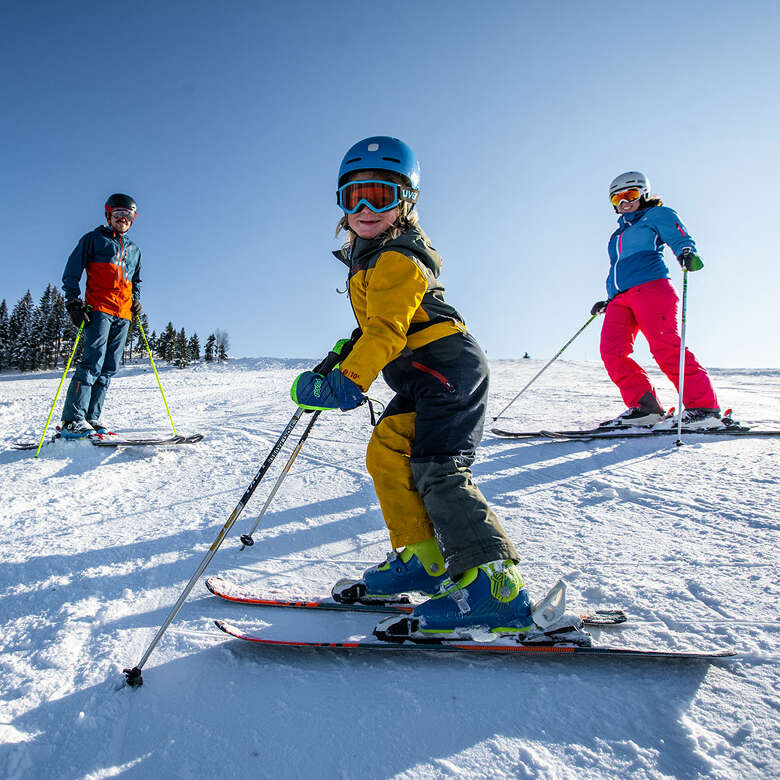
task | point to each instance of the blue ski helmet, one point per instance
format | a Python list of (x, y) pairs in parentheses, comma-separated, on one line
[(381, 153)]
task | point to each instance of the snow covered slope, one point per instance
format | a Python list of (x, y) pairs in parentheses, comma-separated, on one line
[(98, 544)]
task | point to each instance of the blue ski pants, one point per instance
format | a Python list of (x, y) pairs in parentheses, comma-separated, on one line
[(103, 341)]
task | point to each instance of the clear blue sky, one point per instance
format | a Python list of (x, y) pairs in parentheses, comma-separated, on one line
[(227, 123)]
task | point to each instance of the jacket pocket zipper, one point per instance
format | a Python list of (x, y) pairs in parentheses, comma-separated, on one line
[(449, 387)]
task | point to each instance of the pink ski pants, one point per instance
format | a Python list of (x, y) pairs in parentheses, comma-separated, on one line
[(651, 308)]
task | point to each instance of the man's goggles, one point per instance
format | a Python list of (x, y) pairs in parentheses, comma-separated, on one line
[(378, 195), (126, 213), (630, 195)]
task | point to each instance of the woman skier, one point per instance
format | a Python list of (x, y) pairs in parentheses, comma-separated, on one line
[(447, 542), (641, 298)]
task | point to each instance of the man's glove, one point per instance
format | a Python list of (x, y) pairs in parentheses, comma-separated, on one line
[(334, 391), (689, 260), (136, 307), (78, 311), (598, 308)]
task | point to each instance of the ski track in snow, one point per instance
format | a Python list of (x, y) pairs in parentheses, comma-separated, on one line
[(99, 544)]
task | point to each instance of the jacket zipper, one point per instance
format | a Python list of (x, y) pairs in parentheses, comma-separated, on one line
[(619, 250)]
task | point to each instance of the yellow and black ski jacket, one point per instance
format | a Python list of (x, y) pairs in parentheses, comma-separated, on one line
[(397, 299)]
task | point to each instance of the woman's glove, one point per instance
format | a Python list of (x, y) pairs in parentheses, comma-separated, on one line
[(689, 260), (598, 308)]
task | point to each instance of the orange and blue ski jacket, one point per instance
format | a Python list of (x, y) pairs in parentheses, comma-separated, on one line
[(113, 265)]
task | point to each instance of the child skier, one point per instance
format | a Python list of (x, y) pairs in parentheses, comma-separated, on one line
[(448, 543), (641, 298), (113, 266)]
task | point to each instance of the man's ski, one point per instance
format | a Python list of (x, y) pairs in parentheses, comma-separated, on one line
[(230, 591), (634, 432), (106, 440), (500, 646), (117, 442)]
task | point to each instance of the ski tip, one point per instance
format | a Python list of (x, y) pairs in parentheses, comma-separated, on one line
[(213, 583)]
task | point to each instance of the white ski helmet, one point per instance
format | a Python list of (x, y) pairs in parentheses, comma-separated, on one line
[(630, 179)]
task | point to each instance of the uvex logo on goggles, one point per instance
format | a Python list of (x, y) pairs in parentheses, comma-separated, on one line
[(630, 195), (378, 195)]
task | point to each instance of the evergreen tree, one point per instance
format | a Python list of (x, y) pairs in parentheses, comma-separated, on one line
[(40, 346), (55, 326), (180, 353), (4, 343), (152, 338), (193, 348), (166, 344), (208, 355), (20, 326)]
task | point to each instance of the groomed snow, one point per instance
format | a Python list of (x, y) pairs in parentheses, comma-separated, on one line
[(98, 545)]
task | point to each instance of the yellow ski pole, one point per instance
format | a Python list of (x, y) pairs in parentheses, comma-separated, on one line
[(154, 368), (57, 394)]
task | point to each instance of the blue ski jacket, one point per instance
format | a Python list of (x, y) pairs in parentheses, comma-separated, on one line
[(636, 248)]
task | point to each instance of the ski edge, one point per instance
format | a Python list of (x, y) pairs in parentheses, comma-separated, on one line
[(456, 646)]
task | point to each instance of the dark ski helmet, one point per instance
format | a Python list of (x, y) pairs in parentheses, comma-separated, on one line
[(120, 201), (381, 153)]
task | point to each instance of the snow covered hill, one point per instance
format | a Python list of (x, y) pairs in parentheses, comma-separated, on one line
[(98, 545)]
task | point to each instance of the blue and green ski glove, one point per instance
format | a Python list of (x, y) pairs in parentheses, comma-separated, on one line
[(314, 391)]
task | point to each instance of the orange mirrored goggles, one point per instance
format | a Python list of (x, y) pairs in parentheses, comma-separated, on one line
[(630, 195), (378, 195)]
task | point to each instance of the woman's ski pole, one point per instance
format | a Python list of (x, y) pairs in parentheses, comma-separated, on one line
[(552, 360), (133, 676), (246, 539), (57, 394), (681, 378), (154, 368)]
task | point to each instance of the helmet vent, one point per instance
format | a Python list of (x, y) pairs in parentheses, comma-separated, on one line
[(354, 159), (392, 159)]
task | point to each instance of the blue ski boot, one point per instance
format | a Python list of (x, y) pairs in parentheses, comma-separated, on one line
[(418, 567), (100, 427), (490, 598), (76, 429)]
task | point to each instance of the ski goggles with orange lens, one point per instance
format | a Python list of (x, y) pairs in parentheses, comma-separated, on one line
[(630, 195), (378, 195)]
